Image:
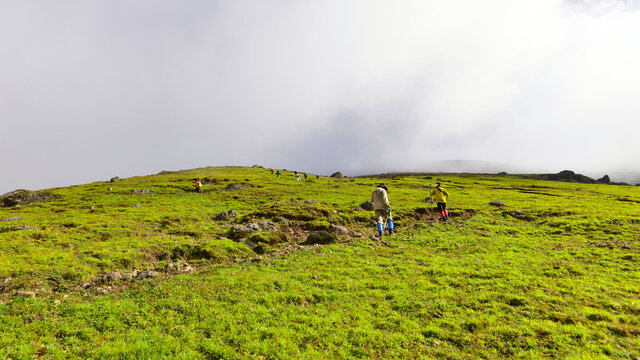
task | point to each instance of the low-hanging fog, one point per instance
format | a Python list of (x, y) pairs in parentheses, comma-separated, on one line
[(95, 89)]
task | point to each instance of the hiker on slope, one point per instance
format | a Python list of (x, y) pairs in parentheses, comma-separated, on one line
[(197, 186), (382, 208), (441, 197)]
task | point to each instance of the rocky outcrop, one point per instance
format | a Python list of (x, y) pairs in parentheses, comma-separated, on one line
[(25, 197), (242, 231), (226, 215), (337, 174), (367, 205), (604, 180), (320, 237), (338, 230), (497, 203), (17, 228)]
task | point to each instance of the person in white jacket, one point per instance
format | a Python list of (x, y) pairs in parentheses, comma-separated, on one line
[(382, 208)]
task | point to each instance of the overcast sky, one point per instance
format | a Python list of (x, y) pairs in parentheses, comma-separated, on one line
[(90, 90)]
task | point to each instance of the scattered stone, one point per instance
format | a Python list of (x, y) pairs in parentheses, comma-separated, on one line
[(367, 205), (338, 230), (143, 192), (311, 201), (280, 220), (496, 203), (256, 259), (428, 200), (249, 243), (185, 269), (26, 294), (137, 206), (129, 275), (111, 276), (518, 214), (320, 237), (114, 179), (25, 197), (242, 231), (148, 274), (13, 218), (17, 228), (222, 216), (109, 189)]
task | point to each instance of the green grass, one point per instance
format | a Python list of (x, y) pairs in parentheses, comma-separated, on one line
[(564, 283)]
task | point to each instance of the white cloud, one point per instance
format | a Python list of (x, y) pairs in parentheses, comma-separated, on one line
[(97, 89)]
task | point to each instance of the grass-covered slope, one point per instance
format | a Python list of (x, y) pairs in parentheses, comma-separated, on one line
[(554, 273)]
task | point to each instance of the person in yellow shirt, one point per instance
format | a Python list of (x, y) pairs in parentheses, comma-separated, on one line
[(197, 186), (441, 197)]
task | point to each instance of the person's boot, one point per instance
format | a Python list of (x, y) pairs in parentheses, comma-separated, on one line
[(380, 230), (390, 224)]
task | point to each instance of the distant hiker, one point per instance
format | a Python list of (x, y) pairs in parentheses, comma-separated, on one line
[(441, 196), (317, 177), (197, 186), (278, 173), (298, 177), (271, 171), (305, 176), (382, 208), (295, 173)]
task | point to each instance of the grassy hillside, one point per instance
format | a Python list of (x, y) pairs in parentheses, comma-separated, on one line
[(101, 271)]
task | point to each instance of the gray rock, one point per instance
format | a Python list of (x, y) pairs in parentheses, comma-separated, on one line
[(311, 201), (112, 276), (17, 228), (226, 215), (338, 230), (320, 237), (249, 243), (242, 231), (337, 174), (148, 274), (137, 206), (280, 220), (25, 197), (367, 205), (143, 192), (129, 275), (222, 216), (114, 179), (496, 203), (13, 218)]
